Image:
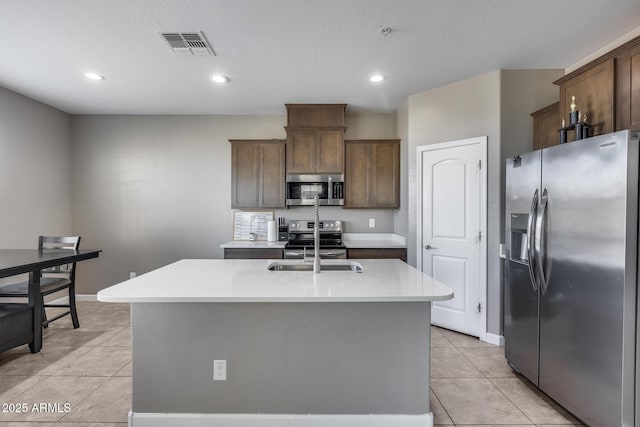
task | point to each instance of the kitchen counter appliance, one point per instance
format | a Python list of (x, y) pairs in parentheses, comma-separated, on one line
[(301, 240), (283, 230), (571, 263), (302, 188)]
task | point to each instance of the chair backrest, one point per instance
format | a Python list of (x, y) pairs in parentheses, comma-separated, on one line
[(58, 242)]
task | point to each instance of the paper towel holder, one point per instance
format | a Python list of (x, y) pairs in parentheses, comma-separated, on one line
[(272, 231)]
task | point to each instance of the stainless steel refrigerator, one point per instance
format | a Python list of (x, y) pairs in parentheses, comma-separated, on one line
[(571, 274)]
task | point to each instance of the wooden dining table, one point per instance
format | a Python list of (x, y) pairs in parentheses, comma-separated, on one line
[(32, 261)]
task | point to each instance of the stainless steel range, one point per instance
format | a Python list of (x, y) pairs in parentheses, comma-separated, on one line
[(301, 240)]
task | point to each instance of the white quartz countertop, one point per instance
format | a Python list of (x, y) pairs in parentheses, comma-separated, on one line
[(373, 240), (256, 244), (216, 280)]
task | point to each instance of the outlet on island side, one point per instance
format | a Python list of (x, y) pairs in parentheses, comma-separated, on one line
[(372, 223), (219, 370), (132, 274)]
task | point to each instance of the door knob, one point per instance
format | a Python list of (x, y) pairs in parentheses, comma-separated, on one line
[(428, 247)]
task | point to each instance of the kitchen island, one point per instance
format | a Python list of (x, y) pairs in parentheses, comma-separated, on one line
[(338, 348)]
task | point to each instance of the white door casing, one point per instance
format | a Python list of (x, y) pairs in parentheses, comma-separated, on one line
[(451, 229)]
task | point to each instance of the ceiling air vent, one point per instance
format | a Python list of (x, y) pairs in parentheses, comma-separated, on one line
[(188, 43)]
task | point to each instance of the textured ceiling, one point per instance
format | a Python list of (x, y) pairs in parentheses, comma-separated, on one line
[(285, 51)]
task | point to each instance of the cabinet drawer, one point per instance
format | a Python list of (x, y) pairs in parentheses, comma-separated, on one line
[(246, 253), (377, 253)]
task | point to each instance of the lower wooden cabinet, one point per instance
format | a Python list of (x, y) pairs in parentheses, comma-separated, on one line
[(377, 253), (356, 253), (250, 253), (372, 173)]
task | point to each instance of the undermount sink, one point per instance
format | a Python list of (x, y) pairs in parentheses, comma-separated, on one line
[(343, 266)]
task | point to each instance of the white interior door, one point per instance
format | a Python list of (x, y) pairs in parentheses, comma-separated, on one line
[(451, 226)]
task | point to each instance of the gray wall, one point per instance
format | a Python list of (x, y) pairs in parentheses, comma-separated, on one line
[(496, 104), (400, 220), (150, 190), (35, 171), (465, 109)]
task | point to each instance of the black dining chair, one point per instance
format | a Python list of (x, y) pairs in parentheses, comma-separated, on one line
[(16, 326), (52, 280)]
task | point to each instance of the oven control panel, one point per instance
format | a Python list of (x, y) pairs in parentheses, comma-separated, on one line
[(302, 226)]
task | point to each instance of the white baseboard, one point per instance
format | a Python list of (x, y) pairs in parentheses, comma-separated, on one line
[(138, 419), (63, 300), (494, 339)]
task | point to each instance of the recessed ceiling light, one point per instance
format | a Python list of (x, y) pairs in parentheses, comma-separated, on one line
[(376, 78), (94, 76), (219, 78)]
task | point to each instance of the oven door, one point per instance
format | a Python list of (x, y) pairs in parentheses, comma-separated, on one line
[(325, 253)]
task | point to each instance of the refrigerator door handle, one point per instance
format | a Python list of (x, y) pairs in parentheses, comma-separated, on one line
[(530, 248), (539, 240)]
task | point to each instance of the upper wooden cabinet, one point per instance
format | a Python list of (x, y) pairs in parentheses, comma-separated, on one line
[(546, 123), (315, 115), (257, 173), (595, 93), (628, 87), (607, 90), (372, 174), (315, 151), (315, 138)]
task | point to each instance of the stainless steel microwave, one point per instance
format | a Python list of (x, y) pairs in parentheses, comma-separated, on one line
[(302, 188)]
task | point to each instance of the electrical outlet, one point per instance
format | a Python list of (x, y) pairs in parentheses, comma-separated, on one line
[(219, 370), (132, 275), (372, 223)]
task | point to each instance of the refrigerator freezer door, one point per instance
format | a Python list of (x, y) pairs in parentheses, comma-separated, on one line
[(589, 260), (521, 294)]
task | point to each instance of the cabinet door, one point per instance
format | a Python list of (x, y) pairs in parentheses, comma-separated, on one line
[(372, 174), (634, 102), (628, 89), (594, 91), (242, 253), (244, 175), (257, 174), (385, 182), (272, 185), (546, 124), (301, 151), (377, 253), (330, 151), (357, 175)]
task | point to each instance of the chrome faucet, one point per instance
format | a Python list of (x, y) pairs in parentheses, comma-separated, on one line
[(316, 236)]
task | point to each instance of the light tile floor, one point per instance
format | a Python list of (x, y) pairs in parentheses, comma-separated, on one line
[(90, 369)]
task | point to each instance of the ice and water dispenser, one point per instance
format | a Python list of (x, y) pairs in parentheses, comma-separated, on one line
[(519, 238)]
